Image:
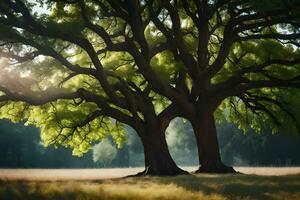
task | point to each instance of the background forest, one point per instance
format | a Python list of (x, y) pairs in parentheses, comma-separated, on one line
[(21, 147)]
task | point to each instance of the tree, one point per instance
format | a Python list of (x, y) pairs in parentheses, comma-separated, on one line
[(145, 62), (83, 88), (16, 144), (258, 149), (247, 69), (104, 152), (20, 147)]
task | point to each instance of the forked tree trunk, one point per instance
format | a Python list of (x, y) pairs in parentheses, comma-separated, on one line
[(158, 161), (208, 147)]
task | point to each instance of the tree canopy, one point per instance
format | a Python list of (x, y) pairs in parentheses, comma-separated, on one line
[(79, 70)]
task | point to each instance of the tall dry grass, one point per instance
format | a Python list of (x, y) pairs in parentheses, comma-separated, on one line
[(201, 187)]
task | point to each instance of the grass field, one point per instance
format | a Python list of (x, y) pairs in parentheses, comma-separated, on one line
[(206, 187)]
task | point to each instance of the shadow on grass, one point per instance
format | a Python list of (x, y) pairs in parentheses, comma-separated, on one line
[(237, 185)]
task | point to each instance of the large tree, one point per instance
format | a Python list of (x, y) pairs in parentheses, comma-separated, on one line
[(146, 62), (246, 69), (74, 70)]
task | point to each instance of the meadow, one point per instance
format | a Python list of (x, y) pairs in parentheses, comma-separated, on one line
[(261, 184)]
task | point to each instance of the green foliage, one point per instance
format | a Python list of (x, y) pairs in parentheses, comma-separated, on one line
[(67, 17), (61, 123), (153, 36), (235, 111), (253, 53), (165, 65)]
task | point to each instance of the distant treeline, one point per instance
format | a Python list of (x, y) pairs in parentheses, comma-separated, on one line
[(21, 147)]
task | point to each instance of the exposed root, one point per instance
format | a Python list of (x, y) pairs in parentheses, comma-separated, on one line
[(150, 171)]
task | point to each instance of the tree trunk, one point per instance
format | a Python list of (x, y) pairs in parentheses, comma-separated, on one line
[(208, 145), (158, 161)]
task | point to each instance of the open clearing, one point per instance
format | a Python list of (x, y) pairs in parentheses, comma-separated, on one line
[(88, 184), (96, 174)]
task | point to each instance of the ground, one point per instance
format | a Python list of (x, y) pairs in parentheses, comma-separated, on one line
[(204, 186)]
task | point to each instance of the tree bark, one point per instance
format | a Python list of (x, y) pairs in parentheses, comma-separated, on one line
[(208, 146), (158, 161)]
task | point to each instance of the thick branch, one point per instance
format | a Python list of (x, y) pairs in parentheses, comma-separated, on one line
[(277, 36), (33, 100), (35, 28), (238, 78)]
